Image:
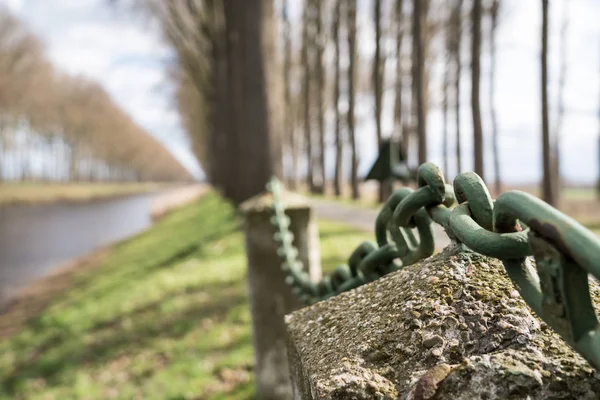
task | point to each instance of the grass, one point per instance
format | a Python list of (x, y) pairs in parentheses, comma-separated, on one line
[(39, 192), (161, 316)]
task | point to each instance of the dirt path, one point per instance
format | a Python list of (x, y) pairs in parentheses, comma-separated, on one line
[(363, 218)]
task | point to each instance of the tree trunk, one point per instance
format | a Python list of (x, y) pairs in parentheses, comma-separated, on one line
[(2, 156), (220, 139), (14, 165), (234, 93), (407, 132), (495, 147), (351, 75), (598, 183), (378, 79), (74, 163), (320, 48), (446, 85), (418, 69), (475, 80), (29, 143), (445, 118), (337, 180), (289, 120), (549, 184), (457, 34), (252, 77), (306, 101), (399, 24), (561, 101)]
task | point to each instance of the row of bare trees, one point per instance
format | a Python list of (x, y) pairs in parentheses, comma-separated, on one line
[(59, 127), (392, 21), (255, 106)]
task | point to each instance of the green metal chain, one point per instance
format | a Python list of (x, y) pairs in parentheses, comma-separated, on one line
[(513, 227)]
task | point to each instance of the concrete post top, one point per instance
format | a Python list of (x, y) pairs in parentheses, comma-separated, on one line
[(450, 327), (264, 201)]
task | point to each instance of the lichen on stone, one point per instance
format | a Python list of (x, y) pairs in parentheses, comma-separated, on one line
[(455, 313)]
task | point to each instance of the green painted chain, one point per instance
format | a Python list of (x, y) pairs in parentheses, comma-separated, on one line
[(513, 227)]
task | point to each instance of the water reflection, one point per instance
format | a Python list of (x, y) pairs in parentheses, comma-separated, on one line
[(33, 239)]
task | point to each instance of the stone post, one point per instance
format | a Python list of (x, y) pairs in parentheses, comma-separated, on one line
[(270, 297), (449, 327)]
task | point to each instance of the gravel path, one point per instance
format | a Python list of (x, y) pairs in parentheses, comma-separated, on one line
[(363, 218), (166, 201)]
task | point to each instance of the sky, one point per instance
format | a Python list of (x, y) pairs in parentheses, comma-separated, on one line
[(125, 53)]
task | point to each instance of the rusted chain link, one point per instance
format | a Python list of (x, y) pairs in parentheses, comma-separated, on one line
[(517, 225)]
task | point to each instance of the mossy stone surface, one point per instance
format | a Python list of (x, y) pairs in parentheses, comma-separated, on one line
[(450, 327)]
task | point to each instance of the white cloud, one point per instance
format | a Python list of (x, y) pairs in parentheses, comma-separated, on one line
[(13, 5)]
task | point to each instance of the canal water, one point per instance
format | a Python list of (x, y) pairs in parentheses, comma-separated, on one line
[(36, 238)]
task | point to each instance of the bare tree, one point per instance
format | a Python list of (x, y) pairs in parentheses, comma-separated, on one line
[(598, 183), (306, 106), (252, 78), (476, 15), (398, 18), (418, 71), (549, 192), (378, 82), (212, 80), (445, 86), (455, 37), (351, 24), (289, 112), (197, 35), (228, 50), (495, 148), (337, 180), (320, 88), (561, 89)]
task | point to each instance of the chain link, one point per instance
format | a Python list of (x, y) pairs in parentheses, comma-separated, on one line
[(512, 228)]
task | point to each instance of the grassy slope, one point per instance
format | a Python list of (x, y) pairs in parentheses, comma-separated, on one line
[(164, 316), (34, 193)]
